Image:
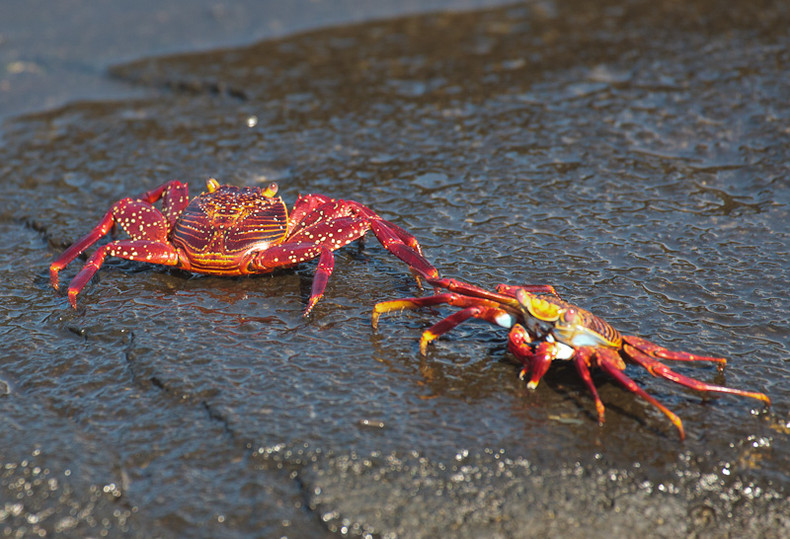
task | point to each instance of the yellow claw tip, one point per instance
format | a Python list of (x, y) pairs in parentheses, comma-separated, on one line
[(532, 384)]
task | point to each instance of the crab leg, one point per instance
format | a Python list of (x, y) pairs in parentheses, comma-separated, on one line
[(658, 369), (582, 359), (176, 199), (511, 290), (77, 248), (404, 236), (407, 303), (411, 255), (326, 263), (659, 352), (139, 250), (497, 315), (609, 365), (330, 223), (504, 294), (443, 326), (305, 205), (291, 254), (493, 315), (311, 210)]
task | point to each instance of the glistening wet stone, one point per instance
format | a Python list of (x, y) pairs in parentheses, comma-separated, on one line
[(634, 154)]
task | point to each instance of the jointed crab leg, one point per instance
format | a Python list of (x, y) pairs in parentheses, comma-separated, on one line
[(338, 223), (631, 386), (539, 359), (490, 314), (489, 311), (155, 253), (502, 295), (404, 246), (658, 369), (146, 226), (301, 252), (659, 352), (582, 362)]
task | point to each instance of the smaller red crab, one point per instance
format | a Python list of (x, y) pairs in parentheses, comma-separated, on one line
[(231, 230), (543, 328)]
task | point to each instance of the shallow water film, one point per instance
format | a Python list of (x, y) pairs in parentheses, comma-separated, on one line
[(633, 154)]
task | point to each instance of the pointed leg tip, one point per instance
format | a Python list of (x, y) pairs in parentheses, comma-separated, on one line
[(601, 413), (310, 304), (53, 278), (532, 384), (72, 295), (678, 424)]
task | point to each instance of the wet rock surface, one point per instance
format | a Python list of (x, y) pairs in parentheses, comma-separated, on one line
[(634, 154)]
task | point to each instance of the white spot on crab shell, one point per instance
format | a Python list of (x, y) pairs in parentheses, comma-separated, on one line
[(564, 351), (587, 339), (505, 320)]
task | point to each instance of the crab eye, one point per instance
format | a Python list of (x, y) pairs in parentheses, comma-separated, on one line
[(569, 316), (212, 185), (271, 190)]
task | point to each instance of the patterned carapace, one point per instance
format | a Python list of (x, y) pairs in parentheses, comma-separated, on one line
[(230, 230)]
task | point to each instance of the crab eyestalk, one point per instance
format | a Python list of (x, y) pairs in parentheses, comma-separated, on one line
[(271, 190)]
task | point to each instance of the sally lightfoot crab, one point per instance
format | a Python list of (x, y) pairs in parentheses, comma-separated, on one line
[(544, 328), (230, 230)]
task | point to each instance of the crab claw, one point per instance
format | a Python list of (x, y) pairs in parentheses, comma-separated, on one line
[(544, 355), (536, 359)]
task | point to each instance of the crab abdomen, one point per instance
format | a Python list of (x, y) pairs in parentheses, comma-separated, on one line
[(218, 231)]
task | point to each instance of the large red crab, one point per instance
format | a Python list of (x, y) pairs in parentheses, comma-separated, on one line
[(230, 230), (544, 327)]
